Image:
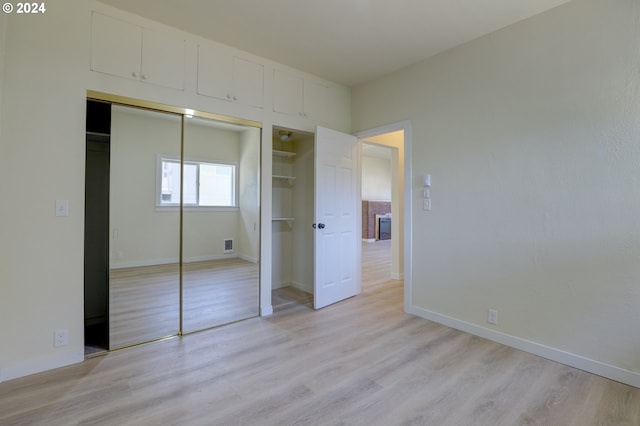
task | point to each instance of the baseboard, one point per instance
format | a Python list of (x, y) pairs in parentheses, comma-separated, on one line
[(156, 262), (368, 240), (300, 286), (208, 258), (276, 285), (397, 276), (248, 258), (39, 365), (265, 311), (618, 374)]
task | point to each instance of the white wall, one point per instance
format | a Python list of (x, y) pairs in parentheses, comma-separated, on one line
[(302, 238), (140, 234), (531, 136), (46, 77), (43, 125), (376, 178), (249, 196)]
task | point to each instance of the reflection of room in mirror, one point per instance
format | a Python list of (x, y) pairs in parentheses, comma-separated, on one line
[(144, 284), (220, 281), (220, 224)]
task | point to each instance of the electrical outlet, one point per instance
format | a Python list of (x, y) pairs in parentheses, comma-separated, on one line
[(493, 317), (60, 338)]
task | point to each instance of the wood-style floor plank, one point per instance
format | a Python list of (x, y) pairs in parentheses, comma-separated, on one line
[(358, 362)]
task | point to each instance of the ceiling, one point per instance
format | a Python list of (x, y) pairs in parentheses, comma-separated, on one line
[(345, 41)]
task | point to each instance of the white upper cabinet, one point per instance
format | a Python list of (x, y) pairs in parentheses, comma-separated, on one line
[(316, 101), (295, 95), (131, 51), (287, 93), (225, 76), (163, 59)]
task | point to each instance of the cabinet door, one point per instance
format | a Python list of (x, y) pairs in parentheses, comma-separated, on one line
[(163, 59), (248, 82), (215, 73), (287, 93), (116, 46), (316, 101)]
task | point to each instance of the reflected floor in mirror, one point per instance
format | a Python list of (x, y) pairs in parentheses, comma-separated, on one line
[(145, 300), (219, 292)]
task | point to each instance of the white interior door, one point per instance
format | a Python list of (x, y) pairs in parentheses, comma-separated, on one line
[(337, 242)]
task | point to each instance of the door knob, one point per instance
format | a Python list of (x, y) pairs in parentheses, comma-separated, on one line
[(321, 225)]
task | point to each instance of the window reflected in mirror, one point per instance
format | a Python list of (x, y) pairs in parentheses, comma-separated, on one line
[(221, 225)]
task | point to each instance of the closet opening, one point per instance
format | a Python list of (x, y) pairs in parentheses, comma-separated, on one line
[(172, 221), (293, 204), (96, 228)]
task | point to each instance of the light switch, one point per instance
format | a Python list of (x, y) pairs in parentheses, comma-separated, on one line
[(427, 204), (62, 208), (426, 193)]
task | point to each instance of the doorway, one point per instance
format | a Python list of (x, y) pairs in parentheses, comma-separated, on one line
[(96, 228), (377, 214), (330, 231), (396, 139), (293, 203)]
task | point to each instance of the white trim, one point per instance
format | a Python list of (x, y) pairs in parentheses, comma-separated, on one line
[(247, 258), (396, 276), (368, 240), (618, 374), (41, 364)]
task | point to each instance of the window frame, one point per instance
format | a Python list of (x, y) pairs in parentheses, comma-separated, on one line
[(160, 206)]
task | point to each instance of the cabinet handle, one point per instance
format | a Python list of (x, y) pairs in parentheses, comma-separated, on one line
[(235, 98), (145, 77), (134, 74), (228, 96)]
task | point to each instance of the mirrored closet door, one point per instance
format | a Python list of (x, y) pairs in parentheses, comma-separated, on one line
[(183, 221), (221, 219), (144, 224)]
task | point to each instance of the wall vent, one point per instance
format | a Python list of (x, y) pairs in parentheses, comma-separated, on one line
[(228, 245)]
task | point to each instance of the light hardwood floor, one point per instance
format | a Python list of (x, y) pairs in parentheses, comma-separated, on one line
[(359, 362)]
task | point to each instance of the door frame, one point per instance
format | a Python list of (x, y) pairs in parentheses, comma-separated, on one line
[(407, 196)]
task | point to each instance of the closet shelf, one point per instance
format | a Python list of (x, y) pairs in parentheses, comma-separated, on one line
[(289, 178), (287, 154)]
